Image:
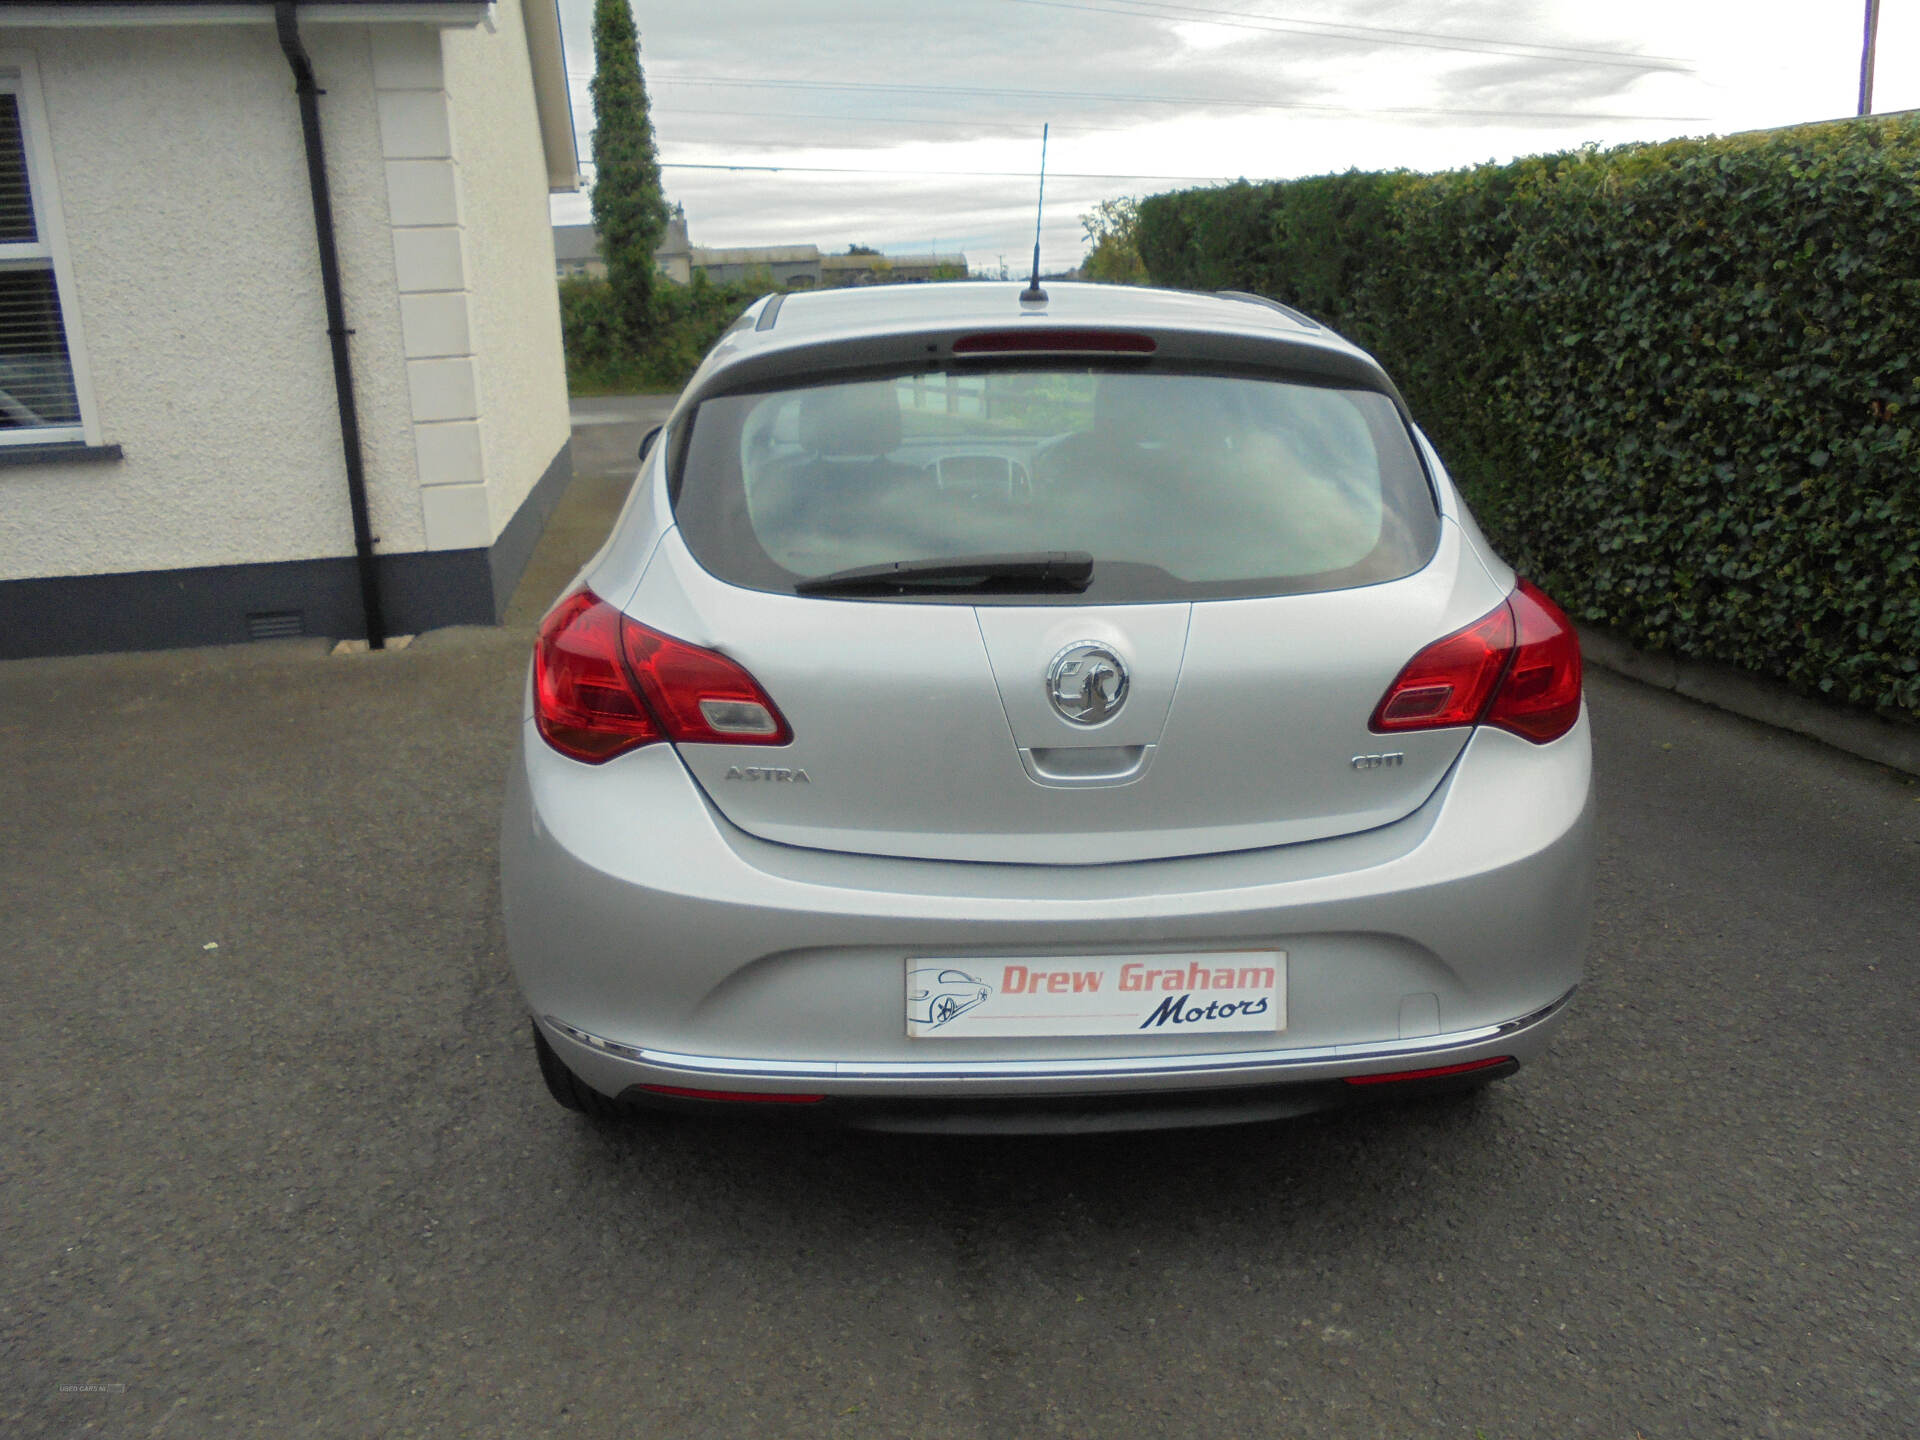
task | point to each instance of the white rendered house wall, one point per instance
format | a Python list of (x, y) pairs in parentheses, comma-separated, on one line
[(197, 295), (514, 306), (215, 480)]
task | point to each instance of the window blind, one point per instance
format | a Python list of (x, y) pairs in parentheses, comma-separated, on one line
[(36, 375), (16, 198)]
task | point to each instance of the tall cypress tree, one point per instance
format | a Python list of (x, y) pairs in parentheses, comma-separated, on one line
[(629, 211)]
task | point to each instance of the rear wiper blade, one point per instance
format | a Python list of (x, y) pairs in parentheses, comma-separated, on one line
[(995, 574)]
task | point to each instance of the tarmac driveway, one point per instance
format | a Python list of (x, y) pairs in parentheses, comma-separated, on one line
[(277, 1161)]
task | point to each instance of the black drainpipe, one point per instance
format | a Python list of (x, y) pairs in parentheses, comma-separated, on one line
[(337, 331)]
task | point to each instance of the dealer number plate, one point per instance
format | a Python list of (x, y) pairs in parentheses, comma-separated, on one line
[(1188, 994)]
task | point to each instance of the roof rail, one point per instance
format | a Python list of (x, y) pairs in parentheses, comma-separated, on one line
[(770, 315), (1287, 310)]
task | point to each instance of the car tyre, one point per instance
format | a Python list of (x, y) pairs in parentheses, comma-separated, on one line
[(569, 1089)]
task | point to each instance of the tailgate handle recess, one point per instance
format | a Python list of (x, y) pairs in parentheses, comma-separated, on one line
[(1086, 764)]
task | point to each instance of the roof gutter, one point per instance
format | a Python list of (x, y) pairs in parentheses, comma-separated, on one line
[(552, 101), (337, 331), (88, 14)]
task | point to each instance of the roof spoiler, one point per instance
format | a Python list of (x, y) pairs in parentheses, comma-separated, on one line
[(1250, 298), (817, 361)]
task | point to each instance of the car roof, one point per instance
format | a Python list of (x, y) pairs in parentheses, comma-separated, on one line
[(812, 332), (856, 309)]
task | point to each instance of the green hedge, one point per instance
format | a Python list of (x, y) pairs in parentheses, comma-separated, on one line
[(605, 358), (1677, 382)]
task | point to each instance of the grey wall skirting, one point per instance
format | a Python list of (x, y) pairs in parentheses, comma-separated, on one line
[(514, 547), (231, 604)]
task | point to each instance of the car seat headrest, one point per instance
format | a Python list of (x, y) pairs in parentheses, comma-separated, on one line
[(850, 422)]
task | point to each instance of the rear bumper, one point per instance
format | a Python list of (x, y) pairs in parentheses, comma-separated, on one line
[(659, 945), (588, 1054), (1042, 1095)]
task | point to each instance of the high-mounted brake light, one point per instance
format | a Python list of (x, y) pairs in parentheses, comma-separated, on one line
[(604, 684), (1042, 341), (1517, 667)]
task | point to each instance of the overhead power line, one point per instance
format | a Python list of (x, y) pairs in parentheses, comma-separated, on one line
[(1113, 97), (942, 174), (1369, 34), (1012, 127)]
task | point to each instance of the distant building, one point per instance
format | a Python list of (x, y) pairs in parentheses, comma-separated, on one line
[(675, 255), (787, 267), (576, 253), (841, 270)]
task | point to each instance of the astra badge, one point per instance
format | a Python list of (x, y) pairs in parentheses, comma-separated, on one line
[(1087, 683), (769, 772)]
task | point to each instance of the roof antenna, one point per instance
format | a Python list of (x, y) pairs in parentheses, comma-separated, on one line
[(1033, 294)]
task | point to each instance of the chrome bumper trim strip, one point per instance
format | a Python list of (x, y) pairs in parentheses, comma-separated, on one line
[(1115, 1067)]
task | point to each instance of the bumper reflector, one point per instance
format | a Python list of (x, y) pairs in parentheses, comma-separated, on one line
[(744, 1097), (1437, 1073)]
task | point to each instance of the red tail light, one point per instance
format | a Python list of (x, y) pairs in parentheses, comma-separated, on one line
[(1517, 667), (1438, 1072), (582, 700), (735, 1097), (1540, 698), (1450, 681), (604, 684)]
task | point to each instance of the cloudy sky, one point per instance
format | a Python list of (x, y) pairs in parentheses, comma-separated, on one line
[(907, 126)]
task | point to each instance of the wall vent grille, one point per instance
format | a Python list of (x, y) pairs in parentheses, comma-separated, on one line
[(276, 624)]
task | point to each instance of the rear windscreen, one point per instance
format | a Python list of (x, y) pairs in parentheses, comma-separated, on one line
[(1180, 486)]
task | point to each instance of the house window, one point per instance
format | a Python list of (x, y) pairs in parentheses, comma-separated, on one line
[(39, 401)]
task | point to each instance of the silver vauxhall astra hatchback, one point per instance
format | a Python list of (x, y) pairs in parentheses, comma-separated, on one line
[(1089, 712)]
